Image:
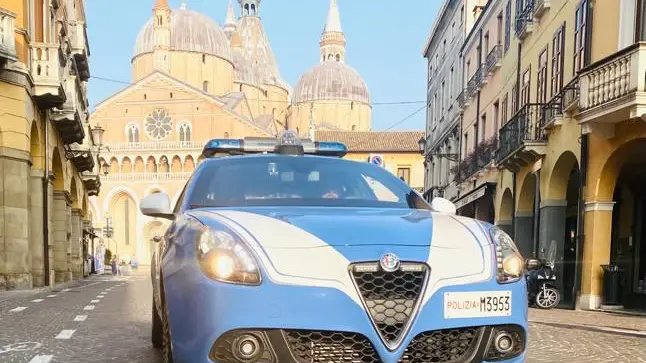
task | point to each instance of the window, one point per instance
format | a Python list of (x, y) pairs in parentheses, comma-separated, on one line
[(496, 117), (205, 86), (404, 174), (558, 43), (505, 107), (507, 26), (475, 135), (132, 132), (514, 103), (453, 32), (525, 91), (430, 70), (184, 131), (451, 87), (483, 127), (158, 124), (541, 82), (443, 98), (499, 29), (486, 44), (580, 35), (280, 181), (462, 15), (466, 144), (203, 58)]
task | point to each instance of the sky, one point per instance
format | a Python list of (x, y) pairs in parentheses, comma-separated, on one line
[(384, 44)]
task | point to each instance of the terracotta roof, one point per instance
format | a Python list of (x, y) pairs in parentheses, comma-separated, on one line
[(374, 141)]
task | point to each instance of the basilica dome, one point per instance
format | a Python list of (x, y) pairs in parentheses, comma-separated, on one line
[(331, 80), (190, 31)]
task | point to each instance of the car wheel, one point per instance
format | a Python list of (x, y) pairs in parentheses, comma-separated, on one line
[(167, 350), (157, 329)]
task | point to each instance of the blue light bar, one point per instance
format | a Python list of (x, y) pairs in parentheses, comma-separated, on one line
[(257, 145)]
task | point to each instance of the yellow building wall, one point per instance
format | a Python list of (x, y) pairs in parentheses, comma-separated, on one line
[(344, 115), (393, 161)]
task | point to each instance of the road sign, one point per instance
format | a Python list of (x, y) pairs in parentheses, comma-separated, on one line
[(376, 159)]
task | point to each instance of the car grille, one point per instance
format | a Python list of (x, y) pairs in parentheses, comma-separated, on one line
[(391, 298), (448, 345), (326, 347)]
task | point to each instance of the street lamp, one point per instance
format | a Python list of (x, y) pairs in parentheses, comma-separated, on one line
[(105, 167), (422, 145), (97, 135)]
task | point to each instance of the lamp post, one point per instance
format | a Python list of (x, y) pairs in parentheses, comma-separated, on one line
[(105, 168), (422, 145)]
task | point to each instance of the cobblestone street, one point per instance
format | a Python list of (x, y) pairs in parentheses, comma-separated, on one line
[(106, 319)]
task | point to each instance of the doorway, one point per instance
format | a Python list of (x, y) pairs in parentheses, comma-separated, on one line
[(569, 248)]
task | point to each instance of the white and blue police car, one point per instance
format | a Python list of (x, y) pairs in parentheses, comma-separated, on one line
[(280, 251)]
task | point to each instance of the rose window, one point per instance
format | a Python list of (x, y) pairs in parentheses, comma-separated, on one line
[(158, 124)]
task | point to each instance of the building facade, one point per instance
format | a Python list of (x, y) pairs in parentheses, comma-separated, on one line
[(198, 82), (444, 86), (564, 106), (48, 154)]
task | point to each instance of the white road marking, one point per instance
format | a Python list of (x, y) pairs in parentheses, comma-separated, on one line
[(100, 296), (80, 318), (65, 334), (42, 359), (18, 309), (89, 307), (51, 295), (65, 290), (37, 300), (94, 301)]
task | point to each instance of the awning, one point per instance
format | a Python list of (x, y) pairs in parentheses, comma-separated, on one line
[(475, 194), (89, 233)]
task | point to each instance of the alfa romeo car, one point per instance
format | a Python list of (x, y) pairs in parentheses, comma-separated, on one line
[(281, 251)]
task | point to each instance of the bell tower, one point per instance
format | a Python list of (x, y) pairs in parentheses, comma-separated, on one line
[(161, 36), (249, 7), (332, 41)]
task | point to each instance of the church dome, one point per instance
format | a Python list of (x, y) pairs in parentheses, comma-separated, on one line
[(243, 70), (331, 81), (190, 31)]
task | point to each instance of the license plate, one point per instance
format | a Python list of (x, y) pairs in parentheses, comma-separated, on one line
[(477, 304)]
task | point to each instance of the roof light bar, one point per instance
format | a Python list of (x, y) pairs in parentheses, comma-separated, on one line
[(287, 143)]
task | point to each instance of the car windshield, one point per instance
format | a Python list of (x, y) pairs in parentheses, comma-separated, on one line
[(299, 181)]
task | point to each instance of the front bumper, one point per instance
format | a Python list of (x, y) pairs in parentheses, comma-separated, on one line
[(323, 324)]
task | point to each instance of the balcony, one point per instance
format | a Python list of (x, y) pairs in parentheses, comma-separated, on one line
[(92, 182), (476, 161), (474, 84), (463, 100), (46, 70), (552, 112), (494, 60), (613, 90), (80, 49), (148, 177), (7, 37), (521, 140), (525, 21), (81, 156), (69, 117), (540, 7), (571, 96)]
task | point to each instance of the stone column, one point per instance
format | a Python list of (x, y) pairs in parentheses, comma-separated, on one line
[(61, 226), (76, 245), (524, 226), (596, 252), (15, 259), (36, 238), (50, 231)]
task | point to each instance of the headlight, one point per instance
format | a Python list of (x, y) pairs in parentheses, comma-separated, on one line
[(510, 262), (225, 258)]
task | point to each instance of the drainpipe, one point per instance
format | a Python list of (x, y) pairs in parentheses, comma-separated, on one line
[(46, 202), (513, 174), (513, 206)]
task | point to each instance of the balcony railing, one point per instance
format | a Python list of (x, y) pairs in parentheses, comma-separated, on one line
[(157, 145), (46, 70), (80, 49), (473, 86), (525, 20), (70, 116), (481, 156), (147, 177), (521, 139), (552, 111), (494, 59), (463, 100), (571, 96), (7, 36), (540, 7), (614, 89)]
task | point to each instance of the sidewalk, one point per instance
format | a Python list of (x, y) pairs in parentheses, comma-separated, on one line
[(590, 319)]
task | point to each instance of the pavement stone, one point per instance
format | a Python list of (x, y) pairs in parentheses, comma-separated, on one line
[(117, 329)]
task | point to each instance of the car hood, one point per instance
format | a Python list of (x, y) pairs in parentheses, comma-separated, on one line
[(320, 243)]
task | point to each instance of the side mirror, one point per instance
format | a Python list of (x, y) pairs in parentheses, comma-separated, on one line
[(442, 205), (533, 264), (157, 239), (156, 205)]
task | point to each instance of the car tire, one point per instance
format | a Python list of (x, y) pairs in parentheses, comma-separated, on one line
[(157, 329), (167, 349)]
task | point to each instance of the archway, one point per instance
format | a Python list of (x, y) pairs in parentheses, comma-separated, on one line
[(123, 213), (189, 164), (524, 224), (139, 165), (57, 169), (505, 212), (625, 174), (559, 225), (176, 166), (126, 165)]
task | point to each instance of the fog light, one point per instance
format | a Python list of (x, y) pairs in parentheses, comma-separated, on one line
[(504, 343), (247, 348)]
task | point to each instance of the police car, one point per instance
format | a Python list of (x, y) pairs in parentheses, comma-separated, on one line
[(280, 251)]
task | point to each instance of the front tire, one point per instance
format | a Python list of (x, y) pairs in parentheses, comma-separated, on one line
[(547, 297), (157, 327), (167, 349)]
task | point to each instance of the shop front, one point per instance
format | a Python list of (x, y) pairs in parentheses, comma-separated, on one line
[(478, 203)]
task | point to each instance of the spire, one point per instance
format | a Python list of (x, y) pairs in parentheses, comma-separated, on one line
[(230, 22), (332, 41), (161, 4), (333, 23), (183, 5)]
